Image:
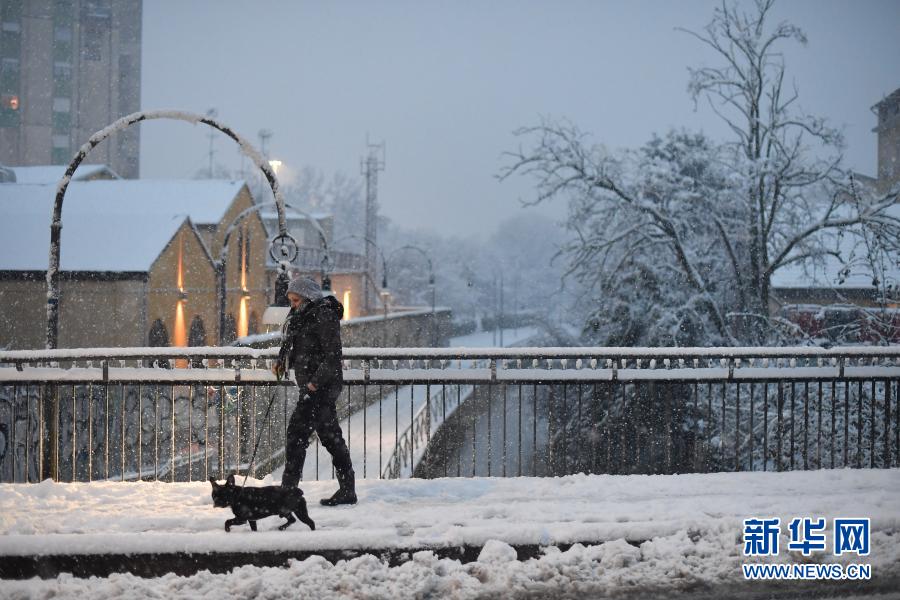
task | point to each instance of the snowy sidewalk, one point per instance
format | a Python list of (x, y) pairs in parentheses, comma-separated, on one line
[(133, 518)]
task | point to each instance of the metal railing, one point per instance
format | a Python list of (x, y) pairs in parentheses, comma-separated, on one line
[(181, 414)]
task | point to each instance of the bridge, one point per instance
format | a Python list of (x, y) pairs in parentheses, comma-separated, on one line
[(184, 414), (491, 424)]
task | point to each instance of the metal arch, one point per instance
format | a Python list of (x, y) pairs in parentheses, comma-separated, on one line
[(61, 187), (424, 254), (291, 244), (240, 217), (373, 244)]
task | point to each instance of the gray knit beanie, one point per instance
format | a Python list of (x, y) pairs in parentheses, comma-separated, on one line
[(305, 287)]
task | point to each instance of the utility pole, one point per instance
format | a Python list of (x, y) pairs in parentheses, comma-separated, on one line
[(212, 113), (496, 316), (501, 309), (369, 166), (264, 136)]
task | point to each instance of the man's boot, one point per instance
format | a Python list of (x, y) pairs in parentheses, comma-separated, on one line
[(346, 494), (289, 481)]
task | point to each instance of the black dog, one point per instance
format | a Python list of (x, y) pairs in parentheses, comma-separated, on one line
[(252, 503)]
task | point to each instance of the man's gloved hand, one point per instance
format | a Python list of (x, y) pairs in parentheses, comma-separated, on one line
[(278, 369)]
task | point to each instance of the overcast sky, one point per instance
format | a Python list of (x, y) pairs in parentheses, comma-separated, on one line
[(444, 84)]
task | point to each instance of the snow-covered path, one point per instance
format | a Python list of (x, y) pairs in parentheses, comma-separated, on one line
[(692, 524), (130, 517)]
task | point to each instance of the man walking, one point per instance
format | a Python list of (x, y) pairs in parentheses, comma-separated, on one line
[(312, 347)]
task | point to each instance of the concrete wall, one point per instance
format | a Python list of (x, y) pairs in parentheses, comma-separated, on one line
[(412, 329), (92, 312)]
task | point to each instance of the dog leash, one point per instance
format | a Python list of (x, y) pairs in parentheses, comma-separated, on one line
[(259, 437)]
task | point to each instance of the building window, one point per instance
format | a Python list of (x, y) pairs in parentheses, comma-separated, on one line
[(62, 79), (11, 13), (9, 92), (95, 28), (197, 335), (229, 333), (10, 44), (159, 335), (62, 69), (9, 110), (60, 156), (62, 105), (129, 85), (62, 33), (62, 123)]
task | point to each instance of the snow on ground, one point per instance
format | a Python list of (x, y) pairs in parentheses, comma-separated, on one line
[(489, 339), (690, 527)]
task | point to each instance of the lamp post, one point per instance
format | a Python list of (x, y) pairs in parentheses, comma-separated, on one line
[(385, 297), (430, 283), (284, 244)]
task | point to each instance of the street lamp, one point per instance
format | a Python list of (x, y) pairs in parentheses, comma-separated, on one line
[(430, 283), (385, 298)]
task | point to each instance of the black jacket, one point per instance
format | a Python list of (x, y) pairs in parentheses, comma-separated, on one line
[(312, 343)]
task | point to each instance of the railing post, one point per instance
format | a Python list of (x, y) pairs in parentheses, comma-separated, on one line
[(779, 466), (886, 461), (54, 433)]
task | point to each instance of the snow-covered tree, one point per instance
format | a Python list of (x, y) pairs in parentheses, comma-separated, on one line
[(472, 272), (694, 231)]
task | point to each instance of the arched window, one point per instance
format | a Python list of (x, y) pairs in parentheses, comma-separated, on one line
[(230, 332), (158, 337), (197, 335)]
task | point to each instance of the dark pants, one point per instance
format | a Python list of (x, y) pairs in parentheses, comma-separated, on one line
[(314, 413)]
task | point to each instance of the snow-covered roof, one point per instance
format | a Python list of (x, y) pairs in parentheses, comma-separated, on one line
[(850, 271), (51, 174), (116, 225)]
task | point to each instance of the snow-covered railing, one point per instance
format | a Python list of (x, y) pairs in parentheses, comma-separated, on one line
[(461, 365), (183, 413)]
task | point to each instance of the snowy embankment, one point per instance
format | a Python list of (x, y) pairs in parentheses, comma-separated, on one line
[(638, 532)]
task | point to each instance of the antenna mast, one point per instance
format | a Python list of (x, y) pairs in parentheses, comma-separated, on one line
[(370, 165)]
